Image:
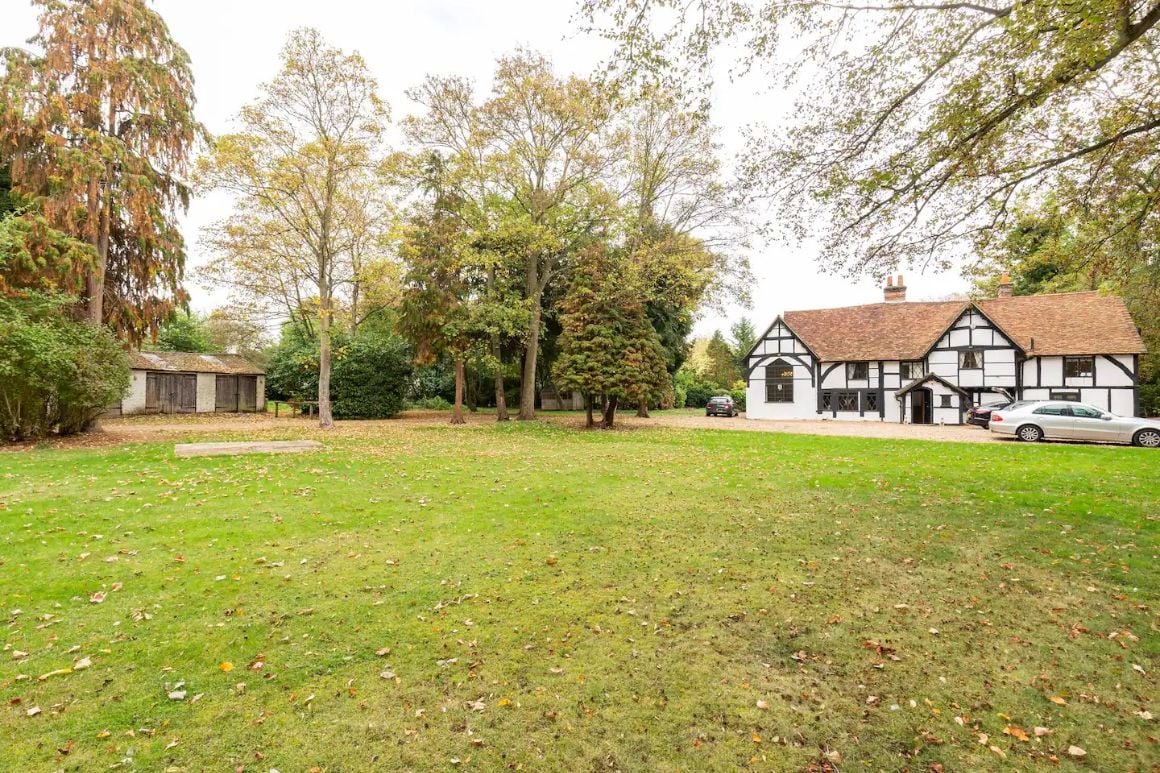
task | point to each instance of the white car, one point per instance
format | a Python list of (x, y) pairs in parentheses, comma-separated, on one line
[(1056, 420)]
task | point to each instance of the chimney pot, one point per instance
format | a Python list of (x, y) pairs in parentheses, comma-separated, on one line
[(1004, 290), (894, 292)]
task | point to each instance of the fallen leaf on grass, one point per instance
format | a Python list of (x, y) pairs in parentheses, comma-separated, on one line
[(1016, 732), (177, 695), (1041, 731), (225, 666), (1075, 751), (763, 705), (1057, 700), (1144, 714), (383, 651), (32, 712), (82, 664), (1002, 754), (477, 705), (17, 654), (57, 672), (97, 597), (388, 675)]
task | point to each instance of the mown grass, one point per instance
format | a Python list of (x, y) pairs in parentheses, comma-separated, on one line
[(565, 600)]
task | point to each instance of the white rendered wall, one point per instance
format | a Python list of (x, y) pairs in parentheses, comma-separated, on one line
[(805, 399), (206, 392), (134, 401)]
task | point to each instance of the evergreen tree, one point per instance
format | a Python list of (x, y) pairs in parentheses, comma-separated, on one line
[(608, 348), (744, 336), (722, 368), (97, 125)]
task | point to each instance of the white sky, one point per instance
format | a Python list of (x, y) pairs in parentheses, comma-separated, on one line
[(234, 45)]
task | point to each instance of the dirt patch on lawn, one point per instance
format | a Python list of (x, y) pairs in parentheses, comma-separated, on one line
[(155, 429)]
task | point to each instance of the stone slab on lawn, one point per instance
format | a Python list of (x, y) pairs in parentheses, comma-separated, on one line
[(254, 447)]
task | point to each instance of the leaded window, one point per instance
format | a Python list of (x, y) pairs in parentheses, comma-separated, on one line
[(779, 383), (857, 371), (970, 359), (1079, 367)]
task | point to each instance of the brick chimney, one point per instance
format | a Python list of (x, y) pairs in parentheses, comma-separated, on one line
[(894, 293), (1004, 286)]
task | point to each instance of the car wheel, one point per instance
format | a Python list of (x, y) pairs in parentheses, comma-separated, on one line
[(986, 426), (1029, 433), (1147, 438)]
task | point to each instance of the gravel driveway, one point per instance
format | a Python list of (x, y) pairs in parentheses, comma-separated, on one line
[(881, 429)]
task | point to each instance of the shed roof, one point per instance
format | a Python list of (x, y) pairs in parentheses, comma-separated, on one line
[(193, 362)]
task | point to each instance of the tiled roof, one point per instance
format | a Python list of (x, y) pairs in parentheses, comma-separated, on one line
[(1066, 323), (877, 331), (191, 362), (1061, 323)]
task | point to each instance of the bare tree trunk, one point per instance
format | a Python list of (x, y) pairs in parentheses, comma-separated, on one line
[(325, 415), (501, 411), (95, 281), (642, 410), (528, 377), (471, 392), (610, 411), (457, 413), (534, 292), (589, 422)]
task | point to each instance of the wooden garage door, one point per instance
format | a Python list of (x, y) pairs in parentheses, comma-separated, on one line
[(247, 393), (170, 392), (236, 393)]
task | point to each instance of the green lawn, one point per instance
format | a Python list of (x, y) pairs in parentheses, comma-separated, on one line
[(555, 599)]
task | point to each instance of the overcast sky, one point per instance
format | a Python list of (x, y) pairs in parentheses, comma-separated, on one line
[(234, 46)]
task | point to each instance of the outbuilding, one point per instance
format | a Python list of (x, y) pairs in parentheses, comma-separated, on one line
[(188, 382)]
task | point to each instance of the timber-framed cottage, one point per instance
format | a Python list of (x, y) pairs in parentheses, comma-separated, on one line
[(928, 362)]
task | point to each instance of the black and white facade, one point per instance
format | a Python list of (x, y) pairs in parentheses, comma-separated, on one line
[(927, 363)]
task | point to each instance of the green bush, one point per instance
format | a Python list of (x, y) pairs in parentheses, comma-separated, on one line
[(1150, 399), (57, 374), (698, 389), (429, 404), (433, 381), (738, 394), (369, 376)]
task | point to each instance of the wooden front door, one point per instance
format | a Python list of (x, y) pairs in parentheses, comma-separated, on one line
[(170, 392), (921, 406)]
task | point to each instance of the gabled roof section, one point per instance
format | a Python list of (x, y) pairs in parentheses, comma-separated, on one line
[(761, 338), (930, 377), (1066, 323), (876, 331), (192, 362)]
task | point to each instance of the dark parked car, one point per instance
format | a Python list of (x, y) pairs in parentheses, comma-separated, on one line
[(981, 414), (720, 406)]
